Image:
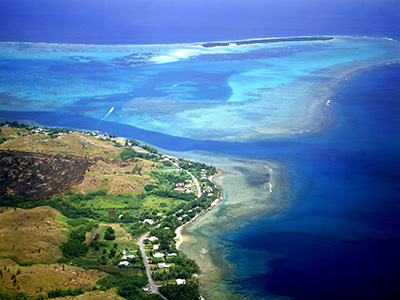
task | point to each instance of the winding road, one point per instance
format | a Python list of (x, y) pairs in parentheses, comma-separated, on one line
[(194, 179), (146, 263)]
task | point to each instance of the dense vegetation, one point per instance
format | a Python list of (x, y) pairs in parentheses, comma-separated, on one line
[(128, 286), (188, 291), (130, 153)]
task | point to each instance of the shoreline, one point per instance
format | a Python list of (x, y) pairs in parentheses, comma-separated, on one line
[(268, 41), (178, 232), (200, 239)]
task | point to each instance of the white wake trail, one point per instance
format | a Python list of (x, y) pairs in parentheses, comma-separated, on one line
[(107, 114)]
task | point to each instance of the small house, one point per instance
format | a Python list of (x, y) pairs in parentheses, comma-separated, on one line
[(149, 221), (153, 238), (158, 255)]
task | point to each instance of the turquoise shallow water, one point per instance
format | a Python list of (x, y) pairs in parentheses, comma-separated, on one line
[(225, 93), (337, 234)]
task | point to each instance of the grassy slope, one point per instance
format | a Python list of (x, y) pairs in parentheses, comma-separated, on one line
[(95, 295), (112, 177), (73, 143), (110, 173), (13, 133), (31, 235), (34, 235), (39, 279)]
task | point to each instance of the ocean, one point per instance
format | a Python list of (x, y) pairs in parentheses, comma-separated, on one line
[(177, 21), (338, 236), (330, 230)]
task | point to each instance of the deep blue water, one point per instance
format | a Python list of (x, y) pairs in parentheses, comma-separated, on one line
[(177, 21), (339, 237)]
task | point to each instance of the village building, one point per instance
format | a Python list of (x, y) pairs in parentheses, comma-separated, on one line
[(180, 281), (153, 238), (169, 157), (163, 265), (158, 255), (124, 263), (149, 221)]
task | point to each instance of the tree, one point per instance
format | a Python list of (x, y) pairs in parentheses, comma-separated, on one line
[(109, 234), (188, 291), (74, 248)]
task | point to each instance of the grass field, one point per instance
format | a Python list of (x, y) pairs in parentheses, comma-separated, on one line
[(13, 133), (31, 235), (40, 279), (160, 204), (95, 295)]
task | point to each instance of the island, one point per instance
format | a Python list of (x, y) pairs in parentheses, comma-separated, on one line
[(93, 214), (268, 41)]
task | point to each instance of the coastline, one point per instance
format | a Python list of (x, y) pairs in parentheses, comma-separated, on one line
[(267, 41), (179, 238), (202, 238)]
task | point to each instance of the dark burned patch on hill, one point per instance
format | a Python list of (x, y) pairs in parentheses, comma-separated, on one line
[(40, 175)]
